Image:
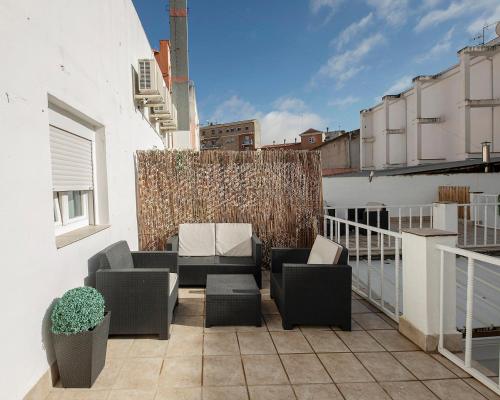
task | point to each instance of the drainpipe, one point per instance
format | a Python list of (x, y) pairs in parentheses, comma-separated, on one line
[(349, 150)]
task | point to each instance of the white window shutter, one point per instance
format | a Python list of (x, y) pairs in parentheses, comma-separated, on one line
[(71, 161)]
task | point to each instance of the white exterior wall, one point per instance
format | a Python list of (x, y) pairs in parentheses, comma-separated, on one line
[(440, 97), (400, 190), (81, 53)]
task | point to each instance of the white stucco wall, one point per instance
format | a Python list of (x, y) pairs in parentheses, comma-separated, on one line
[(81, 53), (440, 97), (400, 190)]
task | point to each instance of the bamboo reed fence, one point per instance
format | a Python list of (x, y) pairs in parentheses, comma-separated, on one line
[(278, 192), (458, 194)]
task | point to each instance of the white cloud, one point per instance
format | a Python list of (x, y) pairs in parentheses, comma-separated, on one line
[(233, 109), (400, 85), (346, 65), (442, 46), (344, 101), (279, 125), (288, 118), (395, 12), (289, 104), (457, 9), (317, 5), (487, 18), (352, 31)]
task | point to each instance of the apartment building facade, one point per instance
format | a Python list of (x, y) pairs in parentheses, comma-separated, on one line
[(236, 136), (340, 153), (442, 117)]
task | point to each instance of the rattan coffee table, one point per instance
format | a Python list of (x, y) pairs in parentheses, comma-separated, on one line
[(232, 300)]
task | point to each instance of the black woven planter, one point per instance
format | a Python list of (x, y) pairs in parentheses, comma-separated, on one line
[(81, 357)]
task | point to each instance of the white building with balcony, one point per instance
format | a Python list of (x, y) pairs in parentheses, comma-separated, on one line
[(442, 117)]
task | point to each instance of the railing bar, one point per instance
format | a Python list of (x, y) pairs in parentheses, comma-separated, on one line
[(325, 224), (369, 245), (467, 254), (475, 225), (347, 228), (421, 219), (396, 283), (485, 225), (331, 229), (441, 300), (468, 315), (410, 217), (382, 271), (466, 218), (357, 257), (495, 225), (399, 215), (337, 231)]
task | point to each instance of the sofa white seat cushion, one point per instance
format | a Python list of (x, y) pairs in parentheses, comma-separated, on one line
[(172, 277), (233, 240), (196, 240), (324, 251)]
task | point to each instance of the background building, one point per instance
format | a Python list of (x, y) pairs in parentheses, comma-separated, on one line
[(237, 136), (340, 154), (183, 91), (441, 118), (311, 139)]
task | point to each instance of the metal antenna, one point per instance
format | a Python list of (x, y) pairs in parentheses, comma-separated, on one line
[(482, 35)]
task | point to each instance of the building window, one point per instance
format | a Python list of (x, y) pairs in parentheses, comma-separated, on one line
[(72, 179), (232, 129), (312, 139), (246, 128), (213, 131), (239, 129)]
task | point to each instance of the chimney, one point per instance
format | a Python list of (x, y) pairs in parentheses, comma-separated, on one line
[(486, 155), (295, 140), (274, 141), (284, 141)]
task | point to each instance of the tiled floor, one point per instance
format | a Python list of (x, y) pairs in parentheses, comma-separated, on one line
[(248, 363)]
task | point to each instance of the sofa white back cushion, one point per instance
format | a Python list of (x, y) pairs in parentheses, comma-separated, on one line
[(324, 251), (196, 240), (233, 240)]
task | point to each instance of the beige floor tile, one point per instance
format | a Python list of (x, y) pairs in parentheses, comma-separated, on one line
[(190, 307), (264, 370), (345, 367), (371, 321), (354, 327), (452, 367), (185, 345), (358, 306), (220, 344), (290, 342), (139, 373), (384, 367), (392, 340), (304, 368), (363, 391), (317, 392), (191, 293), (181, 372), (84, 394), (277, 392), (165, 393), (325, 342), (130, 394), (389, 320), (253, 328), (187, 325), (481, 389), (308, 328), (269, 307), (423, 366), (359, 341), (225, 393), (222, 328), (222, 371), (118, 347), (274, 323), (57, 395), (408, 391), (109, 374), (256, 343), (454, 389), (148, 347), (355, 296)]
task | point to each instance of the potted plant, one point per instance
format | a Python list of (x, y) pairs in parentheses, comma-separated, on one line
[(80, 334)]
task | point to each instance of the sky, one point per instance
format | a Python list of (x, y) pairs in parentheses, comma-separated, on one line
[(299, 64)]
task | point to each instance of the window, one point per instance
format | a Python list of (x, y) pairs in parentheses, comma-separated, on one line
[(232, 129), (246, 128), (72, 179), (312, 139), (239, 129)]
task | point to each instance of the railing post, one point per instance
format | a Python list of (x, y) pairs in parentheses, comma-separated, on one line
[(445, 216), (421, 289)]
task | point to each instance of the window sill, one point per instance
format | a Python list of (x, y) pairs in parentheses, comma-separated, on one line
[(68, 238)]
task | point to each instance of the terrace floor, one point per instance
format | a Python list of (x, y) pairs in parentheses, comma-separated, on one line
[(373, 362)]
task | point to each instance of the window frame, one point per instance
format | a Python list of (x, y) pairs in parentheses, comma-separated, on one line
[(63, 222)]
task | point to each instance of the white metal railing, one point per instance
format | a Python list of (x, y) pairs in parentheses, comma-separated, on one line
[(378, 282), (492, 267), (398, 216), (480, 223)]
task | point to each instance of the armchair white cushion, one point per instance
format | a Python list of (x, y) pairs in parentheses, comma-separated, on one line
[(324, 251), (196, 240), (233, 240)]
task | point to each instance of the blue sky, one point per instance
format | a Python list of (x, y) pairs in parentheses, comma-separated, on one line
[(297, 64)]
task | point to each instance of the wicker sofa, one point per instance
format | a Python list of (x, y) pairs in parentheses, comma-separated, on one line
[(312, 290), (139, 288), (223, 248)]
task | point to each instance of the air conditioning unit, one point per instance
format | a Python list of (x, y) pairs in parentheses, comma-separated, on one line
[(150, 86)]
